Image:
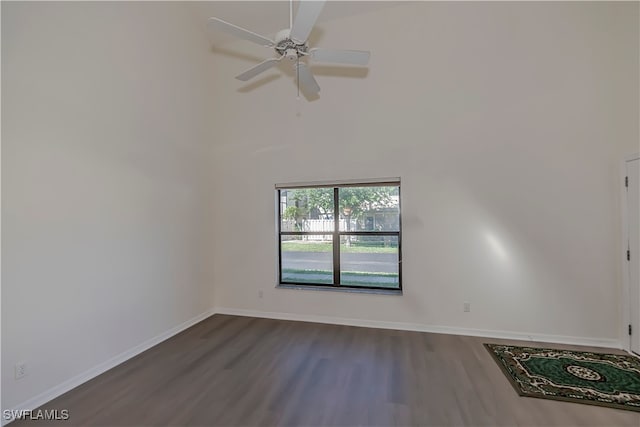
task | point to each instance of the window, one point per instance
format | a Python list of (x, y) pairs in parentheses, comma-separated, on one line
[(344, 235)]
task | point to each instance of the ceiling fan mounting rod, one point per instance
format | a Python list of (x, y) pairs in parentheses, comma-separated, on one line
[(290, 14)]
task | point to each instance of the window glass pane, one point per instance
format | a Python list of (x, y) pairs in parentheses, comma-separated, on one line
[(307, 259), (369, 208), (369, 261), (306, 209)]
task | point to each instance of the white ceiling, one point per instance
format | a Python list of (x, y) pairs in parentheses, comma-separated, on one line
[(268, 17)]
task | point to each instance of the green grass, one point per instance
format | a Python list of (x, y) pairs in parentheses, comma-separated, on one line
[(297, 246), (312, 281), (345, 273), (371, 285)]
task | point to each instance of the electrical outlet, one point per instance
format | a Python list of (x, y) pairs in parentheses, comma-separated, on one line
[(467, 307), (259, 294), (20, 370)]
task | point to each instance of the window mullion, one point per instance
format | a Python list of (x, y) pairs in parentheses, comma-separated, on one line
[(279, 236), (336, 238)]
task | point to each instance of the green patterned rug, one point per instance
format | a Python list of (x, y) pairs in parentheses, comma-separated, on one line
[(610, 380)]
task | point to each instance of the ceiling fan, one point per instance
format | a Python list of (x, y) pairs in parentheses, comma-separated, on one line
[(291, 44)]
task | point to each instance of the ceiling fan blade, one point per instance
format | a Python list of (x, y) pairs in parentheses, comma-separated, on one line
[(261, 67), (307, 82), (308, 12), (354, 57), (219, 24)]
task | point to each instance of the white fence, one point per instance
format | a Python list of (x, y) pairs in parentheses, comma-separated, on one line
[(316, 225)]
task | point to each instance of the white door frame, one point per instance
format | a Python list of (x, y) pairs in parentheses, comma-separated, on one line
[(626, 286)]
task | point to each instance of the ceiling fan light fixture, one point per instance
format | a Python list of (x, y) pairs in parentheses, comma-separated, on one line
[(292, 44)]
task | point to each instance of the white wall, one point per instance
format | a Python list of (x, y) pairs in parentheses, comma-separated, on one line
[(506, 122), (106, 206)]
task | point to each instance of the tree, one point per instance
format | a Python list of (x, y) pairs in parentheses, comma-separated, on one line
[(308, 199), (294, 213), (353, 201)]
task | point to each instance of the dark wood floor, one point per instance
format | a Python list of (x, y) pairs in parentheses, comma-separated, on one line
[(243, 371)]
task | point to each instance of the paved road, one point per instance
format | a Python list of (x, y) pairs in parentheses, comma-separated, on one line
[(377, 263)]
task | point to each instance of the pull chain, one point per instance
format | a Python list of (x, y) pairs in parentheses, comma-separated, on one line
[(298, 75)]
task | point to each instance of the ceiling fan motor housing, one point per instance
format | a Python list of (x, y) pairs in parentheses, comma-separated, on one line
[(289, 48)]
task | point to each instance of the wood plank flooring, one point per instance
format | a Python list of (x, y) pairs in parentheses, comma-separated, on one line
[(243, 371)]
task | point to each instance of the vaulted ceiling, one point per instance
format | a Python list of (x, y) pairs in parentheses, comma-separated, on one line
[(268, 17)]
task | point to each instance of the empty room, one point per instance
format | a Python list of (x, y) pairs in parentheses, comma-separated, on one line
[(320, 213)]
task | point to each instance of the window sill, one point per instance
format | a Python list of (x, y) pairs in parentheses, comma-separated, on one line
[(339, 289)]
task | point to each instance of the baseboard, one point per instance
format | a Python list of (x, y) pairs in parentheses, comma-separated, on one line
[(74, 382), (558, 339)]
